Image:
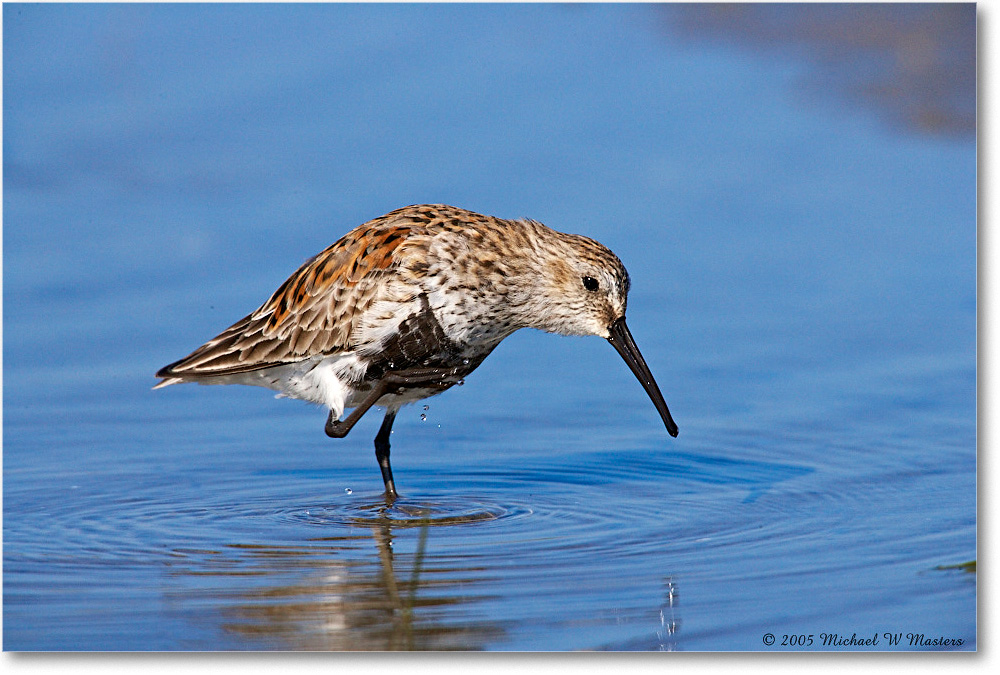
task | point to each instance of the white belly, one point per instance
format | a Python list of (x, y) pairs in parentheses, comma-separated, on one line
[(329, 381)]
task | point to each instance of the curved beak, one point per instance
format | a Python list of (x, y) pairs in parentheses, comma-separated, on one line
[(621, 339)]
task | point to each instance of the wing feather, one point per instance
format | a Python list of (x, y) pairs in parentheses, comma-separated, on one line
[(316, 311)]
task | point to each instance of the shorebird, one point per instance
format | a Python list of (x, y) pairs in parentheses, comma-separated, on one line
[(407, 305)]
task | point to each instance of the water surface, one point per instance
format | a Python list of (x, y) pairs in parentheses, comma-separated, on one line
[(804, 289)]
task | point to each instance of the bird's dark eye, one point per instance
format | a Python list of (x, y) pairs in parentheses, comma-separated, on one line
[(590, 283)]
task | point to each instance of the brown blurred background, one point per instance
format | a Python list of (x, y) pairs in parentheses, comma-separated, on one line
[(915, 64)]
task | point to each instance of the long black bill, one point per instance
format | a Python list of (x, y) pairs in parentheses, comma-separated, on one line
[(622, 340)]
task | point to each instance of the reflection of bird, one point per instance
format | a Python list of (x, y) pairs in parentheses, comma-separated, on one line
[(408, 304)]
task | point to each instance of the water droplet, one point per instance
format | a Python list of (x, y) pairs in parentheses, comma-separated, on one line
[(427, 407), (460, 382), (423, 417), (465, 362), (349, 491)]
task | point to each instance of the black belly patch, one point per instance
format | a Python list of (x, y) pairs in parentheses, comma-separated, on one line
[(420, 342)]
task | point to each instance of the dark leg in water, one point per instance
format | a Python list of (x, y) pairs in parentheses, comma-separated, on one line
[(382, 452), (433, 378)]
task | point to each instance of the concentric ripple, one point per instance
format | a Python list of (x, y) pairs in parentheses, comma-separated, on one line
[(404, 513), (285, 551)]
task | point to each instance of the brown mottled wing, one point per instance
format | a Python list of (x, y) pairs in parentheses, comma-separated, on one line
[(314, 312)]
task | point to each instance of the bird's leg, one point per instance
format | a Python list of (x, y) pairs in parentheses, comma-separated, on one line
[(337, 429), (382, 453), (435, 378)]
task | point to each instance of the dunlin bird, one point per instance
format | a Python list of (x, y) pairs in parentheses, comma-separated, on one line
[(408, 304)]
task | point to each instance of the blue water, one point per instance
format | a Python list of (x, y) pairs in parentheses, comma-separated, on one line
[(803, 263)]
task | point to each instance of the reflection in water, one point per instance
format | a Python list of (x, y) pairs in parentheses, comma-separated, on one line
[(359, 573), (916, 63), (338, 602)]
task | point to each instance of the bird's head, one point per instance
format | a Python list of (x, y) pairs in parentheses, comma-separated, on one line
[(585, 292)]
